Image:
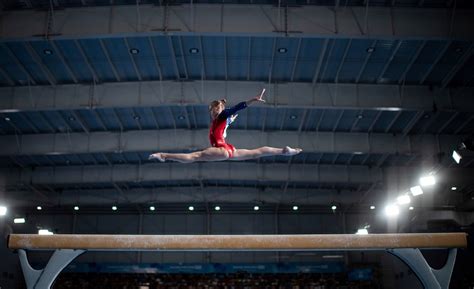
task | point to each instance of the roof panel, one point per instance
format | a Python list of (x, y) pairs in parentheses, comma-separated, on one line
[(453, 54), (425, 60), (261, 58), (401, 60), (377, 61), (75, 60), (193, 55), (162, 46), (145, 59), (214, 54), (308, 58), (121, 58), (19, 51), (284, 58), (238, 49), (334, 58), (97, 58), (53, 62)]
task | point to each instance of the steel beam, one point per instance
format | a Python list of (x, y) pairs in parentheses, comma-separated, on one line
[(171, 140), (285, 95), (386, 22)]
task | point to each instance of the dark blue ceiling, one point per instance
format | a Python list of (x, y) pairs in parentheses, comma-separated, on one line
[(269, 59)]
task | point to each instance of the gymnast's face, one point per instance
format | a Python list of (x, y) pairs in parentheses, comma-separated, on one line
[(217, 109)]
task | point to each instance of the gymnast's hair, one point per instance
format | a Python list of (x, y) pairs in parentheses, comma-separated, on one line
[(215, 103)]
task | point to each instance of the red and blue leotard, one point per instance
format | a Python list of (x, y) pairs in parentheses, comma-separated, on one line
[(218, 126)]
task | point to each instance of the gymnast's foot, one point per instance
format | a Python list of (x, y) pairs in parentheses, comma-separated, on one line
[(157, 156), (287, 151)]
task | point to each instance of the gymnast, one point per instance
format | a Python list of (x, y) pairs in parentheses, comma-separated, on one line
[(221, 150)]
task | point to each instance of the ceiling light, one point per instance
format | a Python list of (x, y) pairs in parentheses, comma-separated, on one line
[(372, 207), (76, 208), (217, 208), (282, 50), (181, 117), (7, 119), (362, 232), (333, 207), (47, 51), (19, 220), (44, 232), (39, 208), (411, 208), (256, 208), (427, 181), (453, 188), (293, 116), (456, 156), (370, 49), (360, 116), (295, 208), (392, 210), (114, 208), (458, 50), (134, 51), (403, 199), (136, 117), (3, 210), (71, 118), (193, 50), (152, 208), (191, 208), (416, 190)]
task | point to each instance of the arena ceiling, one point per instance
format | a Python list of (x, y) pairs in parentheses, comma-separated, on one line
[(373, 101)]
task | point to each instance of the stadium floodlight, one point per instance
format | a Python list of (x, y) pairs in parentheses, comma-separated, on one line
[(403, 199), (427, 181), (416, 190), (392, 210)]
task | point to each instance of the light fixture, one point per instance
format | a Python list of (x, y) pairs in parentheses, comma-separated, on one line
[(217, 208), (458, 50), (457, 156), (19, 220), (293, 116), (427, 181), (370, 49), (3, 210), (295, 208), (47, 51), (333, 207), (372, 207), (191, 208), (282, 50), (256, 208), (134, 51), (453, 188), (44, 232), (114, 208), (403, 199), (362, 231), (76, 208), (360, 116), (39, 208), (180, 117), (136, 117), (152, 208), (193, 50), (411, 208), (392, 210), (416, 190), (7, 118)]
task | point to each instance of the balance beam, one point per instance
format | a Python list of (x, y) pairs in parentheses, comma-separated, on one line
[(404, 246)]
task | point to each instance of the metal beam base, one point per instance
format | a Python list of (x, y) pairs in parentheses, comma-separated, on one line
[(43, 279), (429, 277)]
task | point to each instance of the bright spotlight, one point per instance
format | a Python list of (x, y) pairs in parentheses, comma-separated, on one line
[(362, 232), (456, 156), (76, 208), (3, 210), (333, 207), (403, 199), (411, 208), (295, 208), (19, 220), (114, 208), (217, 208), (44, 232), (256, 208), (39, 208), (191, 208), (427, 181), (372, 207), (453, 188), (392, 210), (152, 208), (417, 190)]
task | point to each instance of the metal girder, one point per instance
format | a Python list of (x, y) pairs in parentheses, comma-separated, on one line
[(220, 171), (171, 140), (211, 194), (285, 95), (384, 22)]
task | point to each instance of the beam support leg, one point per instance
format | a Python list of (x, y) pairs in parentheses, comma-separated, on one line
[(429, 277), (43, 279)]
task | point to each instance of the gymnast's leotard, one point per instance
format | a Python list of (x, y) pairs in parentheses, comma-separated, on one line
[(219, 125)]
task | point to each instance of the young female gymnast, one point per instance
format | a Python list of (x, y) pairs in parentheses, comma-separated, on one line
[(221, 150)]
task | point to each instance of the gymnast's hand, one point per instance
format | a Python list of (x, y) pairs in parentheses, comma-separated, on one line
[(258, 98), (232, 118)]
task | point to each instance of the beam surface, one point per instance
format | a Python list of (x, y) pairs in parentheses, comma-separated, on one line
[(385, 22), (237, 242), (286, 95)]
